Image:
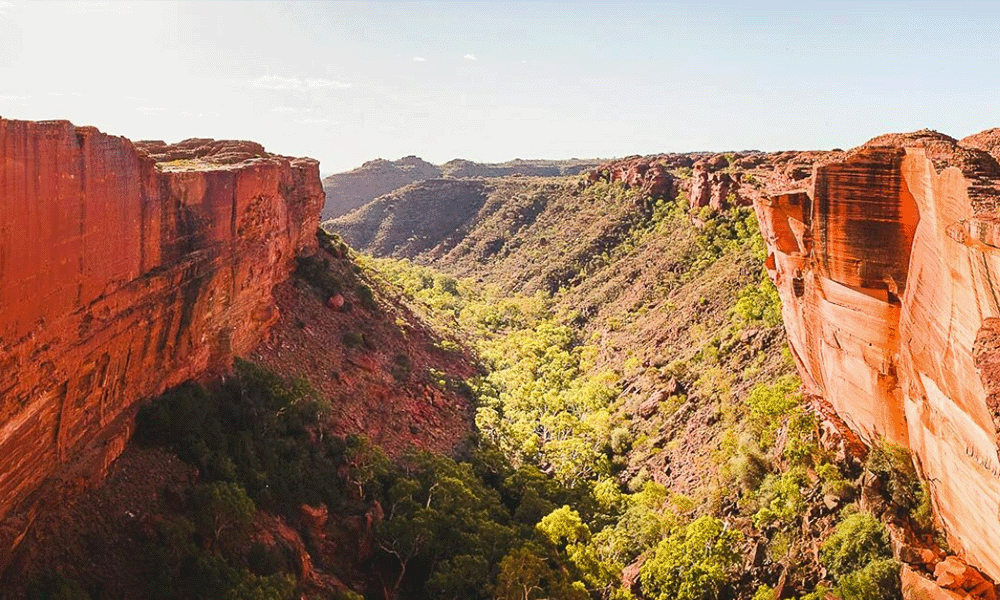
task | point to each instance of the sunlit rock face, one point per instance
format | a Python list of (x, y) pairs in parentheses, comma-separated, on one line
[(888, 266), (125, 270)]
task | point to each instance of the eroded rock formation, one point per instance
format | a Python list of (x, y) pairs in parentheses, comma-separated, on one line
[(651, 174), (888, 266), (716, 189), (126, 269)]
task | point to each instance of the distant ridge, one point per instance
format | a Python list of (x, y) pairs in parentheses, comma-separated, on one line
[(351, 189)]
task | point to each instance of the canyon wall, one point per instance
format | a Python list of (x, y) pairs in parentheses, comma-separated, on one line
[(888, 267), (125, 269)]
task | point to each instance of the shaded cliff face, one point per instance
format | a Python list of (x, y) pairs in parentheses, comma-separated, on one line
[(889, 272), (125, 270)]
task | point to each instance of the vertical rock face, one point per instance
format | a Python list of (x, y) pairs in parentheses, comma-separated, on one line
[(889, 272), (716, 189), (125, 269)]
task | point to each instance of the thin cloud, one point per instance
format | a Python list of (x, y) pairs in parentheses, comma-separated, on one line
[(316, 121), (96, 7), (324, 83), (470, 57), (292, 109), (273, 82), (419, 59)]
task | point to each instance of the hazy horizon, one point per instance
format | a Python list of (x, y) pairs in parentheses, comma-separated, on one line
[(349, 82)]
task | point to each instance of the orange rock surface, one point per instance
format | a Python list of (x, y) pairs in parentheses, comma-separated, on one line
[(717, 189), (888, 266), (125, 269), (650, 174)]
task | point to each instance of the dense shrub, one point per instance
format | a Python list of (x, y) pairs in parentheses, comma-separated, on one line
[(759, 303), (254, 430), (781, 499), (903, 487), (858, 540), (859, 557), (366, 296), (878, 580), (57, 587), (316, 271)]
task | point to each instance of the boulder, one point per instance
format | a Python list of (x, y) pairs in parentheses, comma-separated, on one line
[(336, 301)]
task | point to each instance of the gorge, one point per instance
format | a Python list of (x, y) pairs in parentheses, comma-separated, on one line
[(128, 269)]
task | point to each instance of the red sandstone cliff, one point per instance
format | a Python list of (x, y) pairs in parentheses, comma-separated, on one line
[(888, 266), (125, 269)]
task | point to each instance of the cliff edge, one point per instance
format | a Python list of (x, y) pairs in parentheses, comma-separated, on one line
[(126, 269), (888, 266)]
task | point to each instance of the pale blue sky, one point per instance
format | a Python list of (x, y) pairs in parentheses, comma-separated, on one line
[(346, 82)]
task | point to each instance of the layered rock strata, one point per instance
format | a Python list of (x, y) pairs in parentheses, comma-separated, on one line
[(888, 266), (126, 269)]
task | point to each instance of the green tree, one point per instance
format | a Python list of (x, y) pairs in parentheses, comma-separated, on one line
[(878, 580), (523, 573), (695, 563), (274, 587), (222, 506), (858, 540), (441, 517)]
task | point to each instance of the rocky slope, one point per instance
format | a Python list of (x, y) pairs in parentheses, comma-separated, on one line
[(125, 269), (887, 266), (352, 189), (532, 233), (347, 191), (882, 256), (368, 358)]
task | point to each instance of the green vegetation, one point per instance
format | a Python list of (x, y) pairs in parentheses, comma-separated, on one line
[(694, 563), (902, 487), (253, 439), (858, 540), (545, 410), (318, 273), (759, 302), (860, 560), (548, 408), (254, 430), (57, 587), (562, 489)]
